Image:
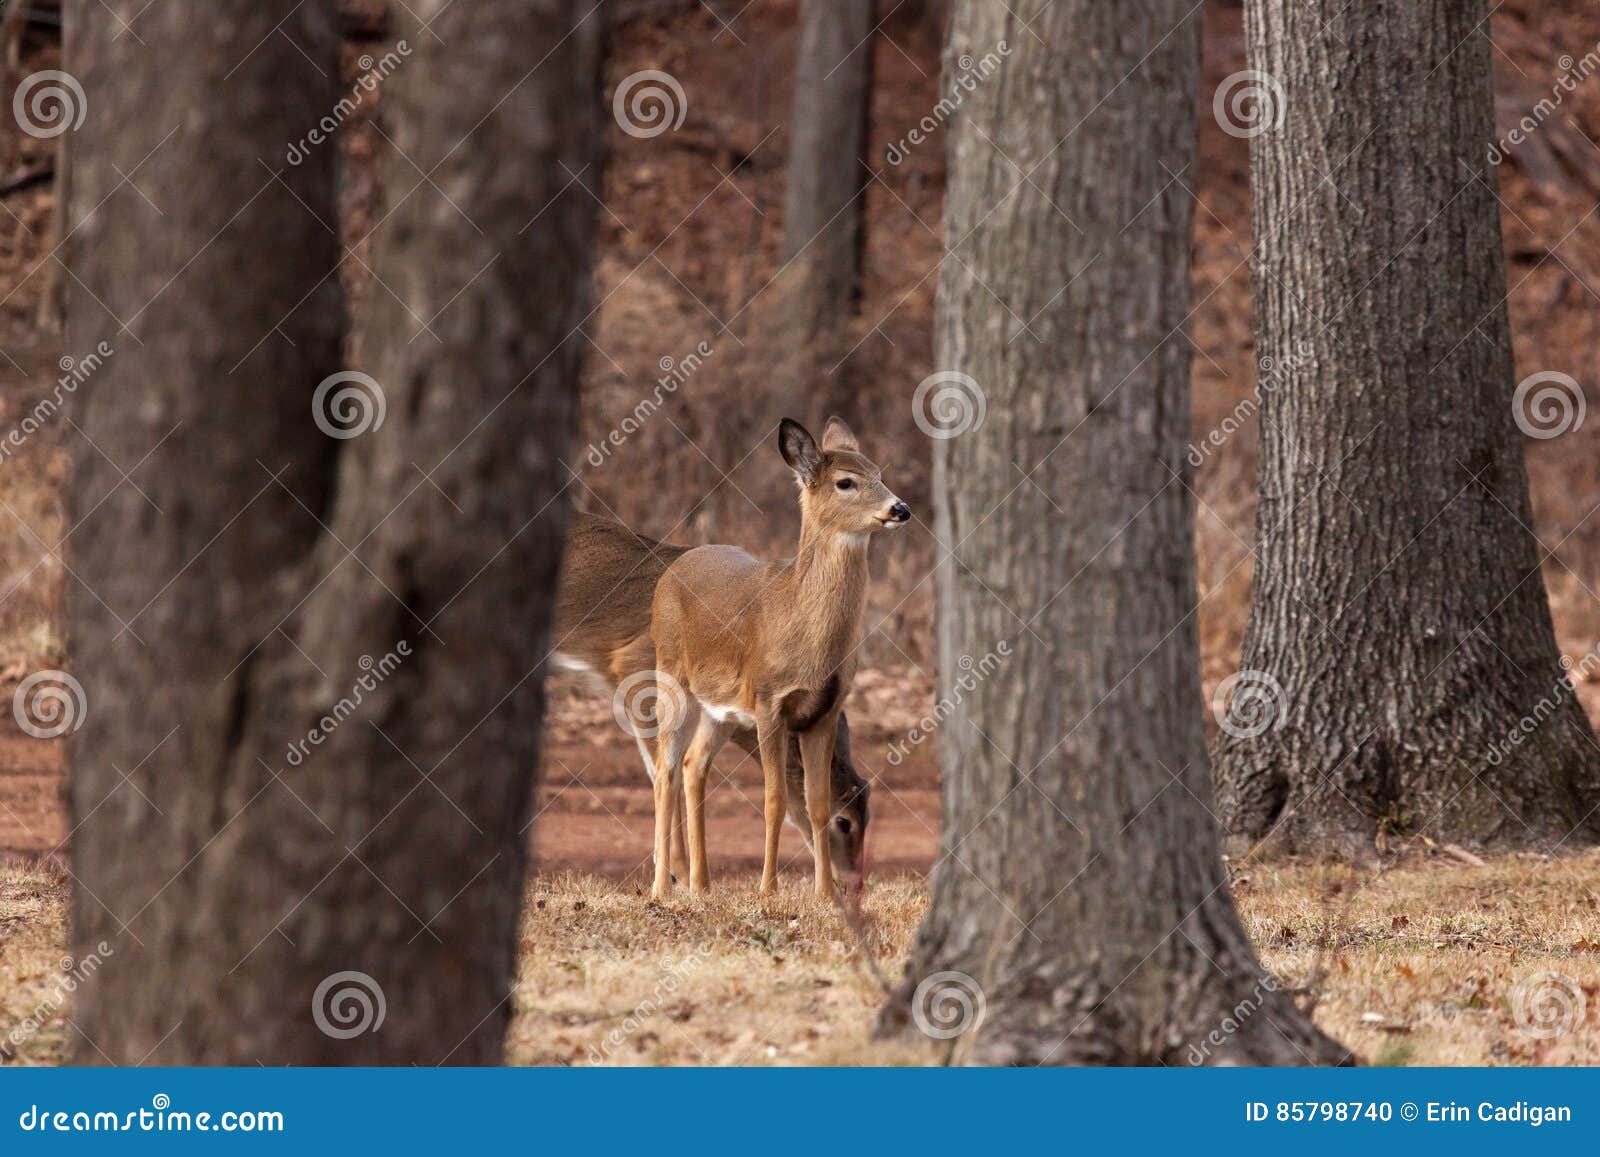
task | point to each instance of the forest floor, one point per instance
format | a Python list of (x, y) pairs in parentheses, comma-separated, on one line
[(1422, 962), (1416, 963)]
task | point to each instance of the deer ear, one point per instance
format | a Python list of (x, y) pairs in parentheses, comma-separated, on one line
[(799, 450), (837, 436)]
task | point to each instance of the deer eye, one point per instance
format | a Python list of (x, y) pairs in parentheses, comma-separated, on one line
[(845, 484)]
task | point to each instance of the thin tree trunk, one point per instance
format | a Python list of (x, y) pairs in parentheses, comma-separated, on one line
[(261, 581), (1399, 632), (1079, 887), (824, 232)]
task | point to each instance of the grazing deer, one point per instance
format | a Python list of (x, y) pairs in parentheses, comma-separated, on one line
[(602, 630), (767, 645)]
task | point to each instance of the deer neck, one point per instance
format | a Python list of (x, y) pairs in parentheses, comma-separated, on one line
[(830, 593)]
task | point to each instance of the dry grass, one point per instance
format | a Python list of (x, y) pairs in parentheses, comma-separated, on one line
[(1418, 963)]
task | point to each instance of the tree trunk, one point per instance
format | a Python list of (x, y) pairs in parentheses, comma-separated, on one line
[(823, 201), (1079, 889), (310, 628), (1399, 633)]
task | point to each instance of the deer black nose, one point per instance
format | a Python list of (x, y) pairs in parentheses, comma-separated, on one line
[(900, 512)]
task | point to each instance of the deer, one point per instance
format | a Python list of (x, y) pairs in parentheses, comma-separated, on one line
[(602, 633), (771, 646)]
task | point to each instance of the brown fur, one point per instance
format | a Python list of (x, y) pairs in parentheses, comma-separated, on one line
[(608, 582), (743, 638)]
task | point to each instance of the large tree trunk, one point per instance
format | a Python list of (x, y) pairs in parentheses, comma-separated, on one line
[(1399, 633), (1079, 887), (823, 199), (375, 574)]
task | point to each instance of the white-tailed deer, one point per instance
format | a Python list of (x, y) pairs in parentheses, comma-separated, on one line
[(602, 629), (767, 645)]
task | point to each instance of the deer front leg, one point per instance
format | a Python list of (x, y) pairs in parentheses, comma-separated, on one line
[(816, 754), (772, 740), (676, 724)]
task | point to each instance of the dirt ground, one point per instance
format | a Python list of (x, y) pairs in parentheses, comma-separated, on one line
[(1423, 962)]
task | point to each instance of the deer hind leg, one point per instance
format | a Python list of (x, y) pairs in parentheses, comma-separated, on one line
[(709, 736), (772, 739), (676, 721), (816, 753), (680, 856)]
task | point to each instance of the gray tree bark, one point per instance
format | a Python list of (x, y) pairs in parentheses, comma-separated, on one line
[(1080, 888), (824, 234), (260, 581), (1399, 630)]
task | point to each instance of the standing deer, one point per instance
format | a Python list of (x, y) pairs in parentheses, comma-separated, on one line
[(772, 646), (602, 630)]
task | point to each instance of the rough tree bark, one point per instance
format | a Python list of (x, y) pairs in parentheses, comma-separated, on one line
[(260, 580), (1079, 887), (1399, 631)]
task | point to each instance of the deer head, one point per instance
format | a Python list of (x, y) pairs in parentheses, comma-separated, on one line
[(841, 490)]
